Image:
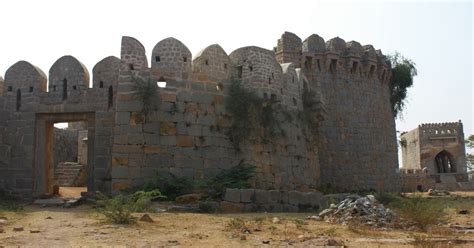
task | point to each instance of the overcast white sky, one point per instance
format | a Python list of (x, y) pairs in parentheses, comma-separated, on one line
[(437, 36)]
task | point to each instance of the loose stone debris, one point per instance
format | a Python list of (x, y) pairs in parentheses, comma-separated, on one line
[(366, 210), (435, 192)]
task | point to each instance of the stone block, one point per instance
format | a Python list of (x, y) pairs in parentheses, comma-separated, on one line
[(262, 196), (247, 195), (168, 97), (185, 141), (232, 195), (274, 196), (295, 198), (168, 140), (120, 172), (168, 128), (231, 207), (314, 199)]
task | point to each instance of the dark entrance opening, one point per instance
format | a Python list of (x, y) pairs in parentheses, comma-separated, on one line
[(58, 164), (445, 162)]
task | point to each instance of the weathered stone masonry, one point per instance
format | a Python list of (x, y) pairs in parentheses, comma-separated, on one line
[(354, 146)]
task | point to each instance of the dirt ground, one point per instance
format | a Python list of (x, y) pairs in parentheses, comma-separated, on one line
[(82, 226)]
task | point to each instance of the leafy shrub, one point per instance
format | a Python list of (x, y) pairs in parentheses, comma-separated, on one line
[(146, 92), (235, 177), (9, 202), (119, 209), (422, 211), (250, 114), (170, 185), (388, 198)]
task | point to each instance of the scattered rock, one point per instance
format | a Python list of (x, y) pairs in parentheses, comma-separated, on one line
[(266, 242), (333, 242), (18, 229), (435, 192), (146, 218), (243, 237), (188, 199), (72, 203), (49, 218), (34, 231), (51, 202), (365, 210), (463, 211), (2, 221), (314, 217), (275, 220)]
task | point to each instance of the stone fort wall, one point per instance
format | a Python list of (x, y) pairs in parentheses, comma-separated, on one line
[(357, 138), (355, 145)]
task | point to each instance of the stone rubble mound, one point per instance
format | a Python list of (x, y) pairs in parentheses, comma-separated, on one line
[(354, 208)]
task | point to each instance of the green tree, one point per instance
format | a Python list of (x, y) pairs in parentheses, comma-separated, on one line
[(470, 156), (403, 72)]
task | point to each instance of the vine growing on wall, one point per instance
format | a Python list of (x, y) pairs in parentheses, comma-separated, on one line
[(403, 72), (146, 92), (312, 113), (251, 115)]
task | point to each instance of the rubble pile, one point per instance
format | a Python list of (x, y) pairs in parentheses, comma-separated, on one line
[(359, 209)]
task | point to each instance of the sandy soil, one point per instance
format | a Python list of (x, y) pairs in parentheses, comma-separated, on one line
[(82, 226)]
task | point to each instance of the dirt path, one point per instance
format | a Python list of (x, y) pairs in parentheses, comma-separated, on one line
[(81, 226)]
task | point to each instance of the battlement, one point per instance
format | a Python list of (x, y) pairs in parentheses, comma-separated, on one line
[(441, 129), (334, 56)]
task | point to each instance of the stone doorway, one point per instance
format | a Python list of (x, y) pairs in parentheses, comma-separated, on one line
[(47, 163), (444, 162)]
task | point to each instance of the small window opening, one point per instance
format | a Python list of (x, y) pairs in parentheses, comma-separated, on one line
[(371, 71), (111, 96), (157, 58), (161, 82), (355, 64), (130, 66), (251, 68), (74, 87), (185, 59), (64, 89), (265, 95), (10, 88), (18, 99), (333, 65), (31, 89), (308, 63), (319, 64), (101, 84), (239, 72), (281, 91), (207, 62), (273, 75), (269, 80), (54, 87), (225, 66), (273, 97), (295, 102)]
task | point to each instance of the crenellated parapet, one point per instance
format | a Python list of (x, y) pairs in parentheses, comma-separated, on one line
[(212, 64), (170, 58), (441, 129), (259, 70), (333, 57), (24, 77)]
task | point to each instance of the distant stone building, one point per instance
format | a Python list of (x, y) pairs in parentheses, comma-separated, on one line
[(350, 145), (434, 156)]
